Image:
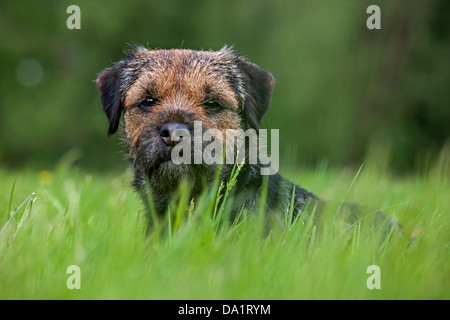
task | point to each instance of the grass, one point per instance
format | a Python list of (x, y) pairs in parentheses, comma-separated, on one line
[(95, 221)]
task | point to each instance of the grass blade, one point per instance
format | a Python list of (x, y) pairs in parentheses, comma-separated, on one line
[(17, 210)]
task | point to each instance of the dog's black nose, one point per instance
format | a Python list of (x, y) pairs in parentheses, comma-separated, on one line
[(167, 130)]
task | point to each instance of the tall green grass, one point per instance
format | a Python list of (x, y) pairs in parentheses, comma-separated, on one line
[(72, 217)]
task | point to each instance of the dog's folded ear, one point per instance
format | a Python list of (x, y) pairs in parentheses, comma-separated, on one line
[(259, 85), (109, 89)]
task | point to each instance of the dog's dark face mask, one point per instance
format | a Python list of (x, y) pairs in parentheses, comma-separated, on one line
[(162, 91)]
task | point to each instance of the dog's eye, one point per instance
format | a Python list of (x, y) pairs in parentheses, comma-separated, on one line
[(213, 106), (148, 103)]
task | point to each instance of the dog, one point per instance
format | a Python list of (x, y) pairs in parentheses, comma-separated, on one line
[(162, 91)]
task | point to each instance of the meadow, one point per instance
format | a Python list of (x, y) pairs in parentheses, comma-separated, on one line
[(70, 216)]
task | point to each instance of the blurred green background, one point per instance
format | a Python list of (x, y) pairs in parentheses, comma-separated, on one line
[(340, 87)]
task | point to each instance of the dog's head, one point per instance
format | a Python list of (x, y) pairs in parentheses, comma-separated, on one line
[(160, 91)]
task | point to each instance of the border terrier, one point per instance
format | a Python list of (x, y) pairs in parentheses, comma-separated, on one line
[(162, 91)]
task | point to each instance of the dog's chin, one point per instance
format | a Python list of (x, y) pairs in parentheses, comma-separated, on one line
[(166, 175)]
